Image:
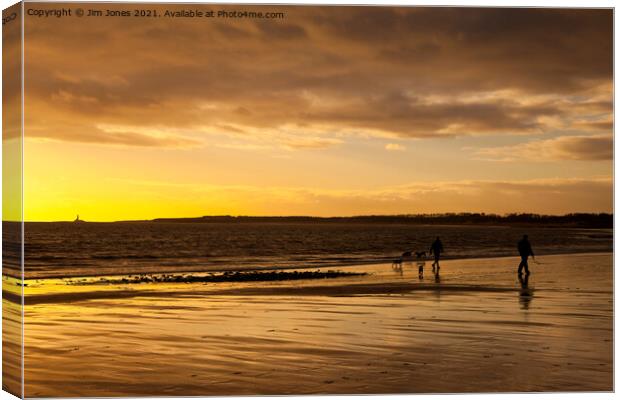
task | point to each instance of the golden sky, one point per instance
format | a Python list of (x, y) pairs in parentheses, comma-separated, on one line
[(328, 111)]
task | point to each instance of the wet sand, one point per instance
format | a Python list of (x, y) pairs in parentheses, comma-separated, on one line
[(475, 329)]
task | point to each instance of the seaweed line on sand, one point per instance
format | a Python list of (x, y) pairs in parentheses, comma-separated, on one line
[(229, 276)]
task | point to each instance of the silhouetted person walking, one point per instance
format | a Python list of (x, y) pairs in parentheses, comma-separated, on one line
[(436, 250), (525, 250)]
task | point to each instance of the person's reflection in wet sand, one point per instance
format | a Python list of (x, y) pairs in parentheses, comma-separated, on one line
[(437, 277), (525, 294)]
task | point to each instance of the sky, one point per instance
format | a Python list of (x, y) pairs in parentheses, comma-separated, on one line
[(327, 111)]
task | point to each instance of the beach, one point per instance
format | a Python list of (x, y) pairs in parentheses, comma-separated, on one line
[(476, 328)]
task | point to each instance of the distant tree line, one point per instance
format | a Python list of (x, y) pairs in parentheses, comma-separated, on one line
[(584, 220)]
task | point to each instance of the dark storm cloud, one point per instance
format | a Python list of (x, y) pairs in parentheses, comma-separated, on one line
[(406, 72), (535, 49)]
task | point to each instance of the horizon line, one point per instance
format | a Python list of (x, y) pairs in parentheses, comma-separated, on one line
[(419, 215)]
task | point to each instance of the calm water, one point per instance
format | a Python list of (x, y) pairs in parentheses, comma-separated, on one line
[(67, 249)]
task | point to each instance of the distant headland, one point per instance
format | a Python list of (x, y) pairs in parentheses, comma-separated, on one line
[(583, 220)]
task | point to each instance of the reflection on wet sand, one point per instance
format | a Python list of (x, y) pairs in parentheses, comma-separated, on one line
[(329, 335), (526, 293)]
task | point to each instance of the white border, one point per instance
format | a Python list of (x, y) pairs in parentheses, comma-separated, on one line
[(480, 3)]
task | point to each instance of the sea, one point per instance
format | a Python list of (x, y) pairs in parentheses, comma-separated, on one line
[(59, 250)]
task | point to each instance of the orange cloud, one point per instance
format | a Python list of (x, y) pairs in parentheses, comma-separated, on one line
[(395, 147), (583, 148)]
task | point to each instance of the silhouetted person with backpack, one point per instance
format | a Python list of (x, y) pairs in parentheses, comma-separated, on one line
[(525, 250), (436, 250)]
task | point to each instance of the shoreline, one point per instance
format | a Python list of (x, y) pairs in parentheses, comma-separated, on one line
[(457, 276), (284, 268)]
